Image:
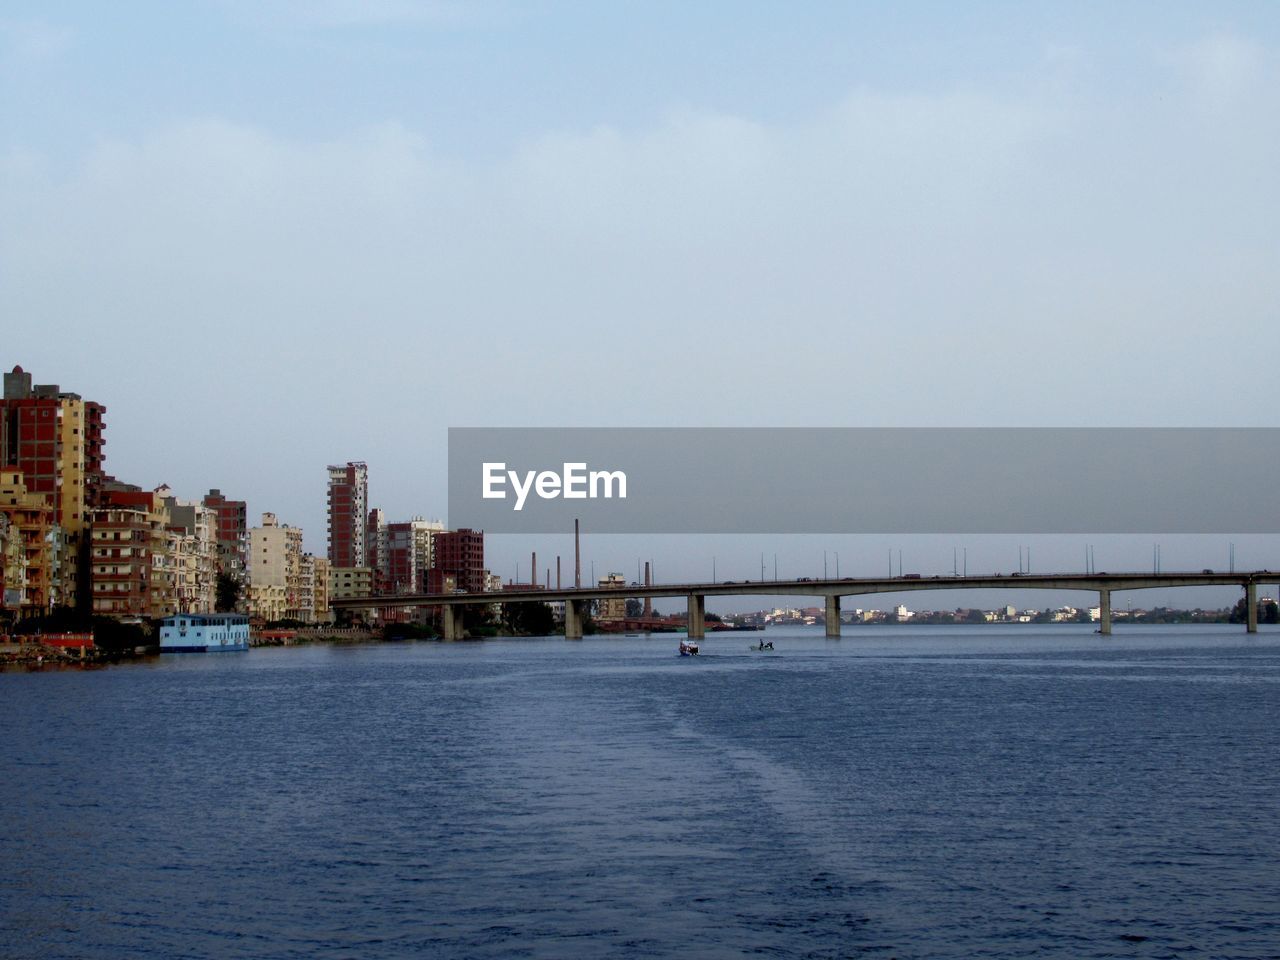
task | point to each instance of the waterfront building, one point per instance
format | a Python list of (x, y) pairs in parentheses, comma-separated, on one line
[(460, 553), (68, 570), (409, 553), (442, 581), (204, 633), (55, 439), (275, 571), (130, 569), (346, 582), (30, 524), (375, 539), (348, 515), (614, 608), (319, 573), (193, 552), (231, 534), (13, 565), (307, 586)]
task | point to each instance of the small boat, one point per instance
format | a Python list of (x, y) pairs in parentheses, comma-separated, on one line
[(688, 648)]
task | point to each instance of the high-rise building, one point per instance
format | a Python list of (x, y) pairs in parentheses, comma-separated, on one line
[(348, 515), (193, 553), (275, 571), (409, 554), (460, 554), (231, 534), (13, 562), (375, 533), (131, 567), (55, 439), (28, 588), (315, 589)]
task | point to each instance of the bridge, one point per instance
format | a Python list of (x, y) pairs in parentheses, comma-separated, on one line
[(576, 598)]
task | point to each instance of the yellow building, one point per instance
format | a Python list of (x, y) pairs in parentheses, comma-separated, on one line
[(345, 582), (614, 608), (31, 521), (275, 571), (317, 570), (13, 565)]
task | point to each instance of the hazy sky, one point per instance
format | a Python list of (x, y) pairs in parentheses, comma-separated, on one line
[(274, 235)]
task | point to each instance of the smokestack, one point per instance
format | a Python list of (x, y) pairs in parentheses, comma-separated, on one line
[(557, 571), (577, 555), (533, 570), (648, 601)]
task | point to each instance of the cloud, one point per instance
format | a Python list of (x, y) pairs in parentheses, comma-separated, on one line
[(342, 14), (1223, 67), (32, 41), (954, 258)]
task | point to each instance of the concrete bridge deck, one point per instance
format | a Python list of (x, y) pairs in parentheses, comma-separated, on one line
[(574, 598)]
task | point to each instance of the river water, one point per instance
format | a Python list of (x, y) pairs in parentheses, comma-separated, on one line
[(902, 792)]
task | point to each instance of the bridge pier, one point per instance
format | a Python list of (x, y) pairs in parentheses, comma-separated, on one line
[(833, 616), (573, 619), (450, 625), (697, 624), (1104, 604), (1251, 602)]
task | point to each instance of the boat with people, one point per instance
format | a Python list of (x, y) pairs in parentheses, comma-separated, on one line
[(688, 648)]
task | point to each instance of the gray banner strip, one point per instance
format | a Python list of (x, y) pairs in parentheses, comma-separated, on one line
[(866, 480)]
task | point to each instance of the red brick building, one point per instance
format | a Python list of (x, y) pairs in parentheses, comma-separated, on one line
[(461, 554), (348, 515), (128, 556), (232, 532), (55, 439)]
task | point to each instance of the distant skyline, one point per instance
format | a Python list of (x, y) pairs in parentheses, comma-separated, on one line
[(275, 236)]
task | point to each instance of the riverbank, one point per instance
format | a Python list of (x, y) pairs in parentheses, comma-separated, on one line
[(35, 652)]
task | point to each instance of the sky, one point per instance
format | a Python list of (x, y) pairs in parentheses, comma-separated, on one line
[(276, 235)]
